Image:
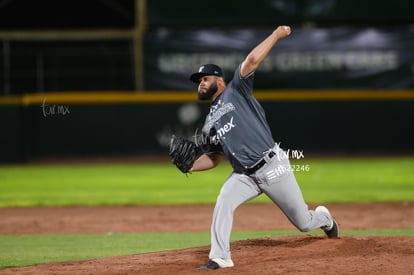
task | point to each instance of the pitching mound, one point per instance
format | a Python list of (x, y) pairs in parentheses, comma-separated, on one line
[(277, 255), (281, 255)]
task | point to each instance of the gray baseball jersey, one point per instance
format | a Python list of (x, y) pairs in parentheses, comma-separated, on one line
[(238, 124)]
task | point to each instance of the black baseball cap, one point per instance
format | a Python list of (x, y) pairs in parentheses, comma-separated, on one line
[(206, 69)]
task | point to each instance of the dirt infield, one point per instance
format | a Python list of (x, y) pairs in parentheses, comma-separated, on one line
[(277, 255)]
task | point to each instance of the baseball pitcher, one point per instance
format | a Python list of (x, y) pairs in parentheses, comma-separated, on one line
[(236, 128)]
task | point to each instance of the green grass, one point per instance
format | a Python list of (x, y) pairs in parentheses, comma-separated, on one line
[(18, 250), (359, 180), (329, 180)]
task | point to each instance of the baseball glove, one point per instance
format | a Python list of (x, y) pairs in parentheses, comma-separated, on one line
[(183, 153)]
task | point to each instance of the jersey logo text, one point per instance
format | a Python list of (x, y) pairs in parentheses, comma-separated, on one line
[(226, 128)]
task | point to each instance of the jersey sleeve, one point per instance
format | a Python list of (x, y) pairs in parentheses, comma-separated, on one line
[(241, 84)]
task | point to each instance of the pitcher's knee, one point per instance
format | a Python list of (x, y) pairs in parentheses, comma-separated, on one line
[(304, 229), (303, 221)]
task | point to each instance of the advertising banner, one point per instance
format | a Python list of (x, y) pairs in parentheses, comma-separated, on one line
[(311, 58)]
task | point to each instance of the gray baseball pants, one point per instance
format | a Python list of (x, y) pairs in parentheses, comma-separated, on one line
[(276, 180)]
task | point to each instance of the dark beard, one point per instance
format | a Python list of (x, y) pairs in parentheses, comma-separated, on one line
[(209, 94)]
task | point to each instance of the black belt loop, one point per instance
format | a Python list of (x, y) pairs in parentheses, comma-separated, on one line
[(260, 164)]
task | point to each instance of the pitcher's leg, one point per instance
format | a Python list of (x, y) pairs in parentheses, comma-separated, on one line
[(236, 190), (286, 193)]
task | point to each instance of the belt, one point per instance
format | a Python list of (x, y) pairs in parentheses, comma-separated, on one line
[(260, 164)]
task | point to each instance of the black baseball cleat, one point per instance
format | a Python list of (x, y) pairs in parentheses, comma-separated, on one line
[(331, 231), (209, 266), (217, 263)]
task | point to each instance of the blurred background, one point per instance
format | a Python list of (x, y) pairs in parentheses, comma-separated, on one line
[(109, 78)]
